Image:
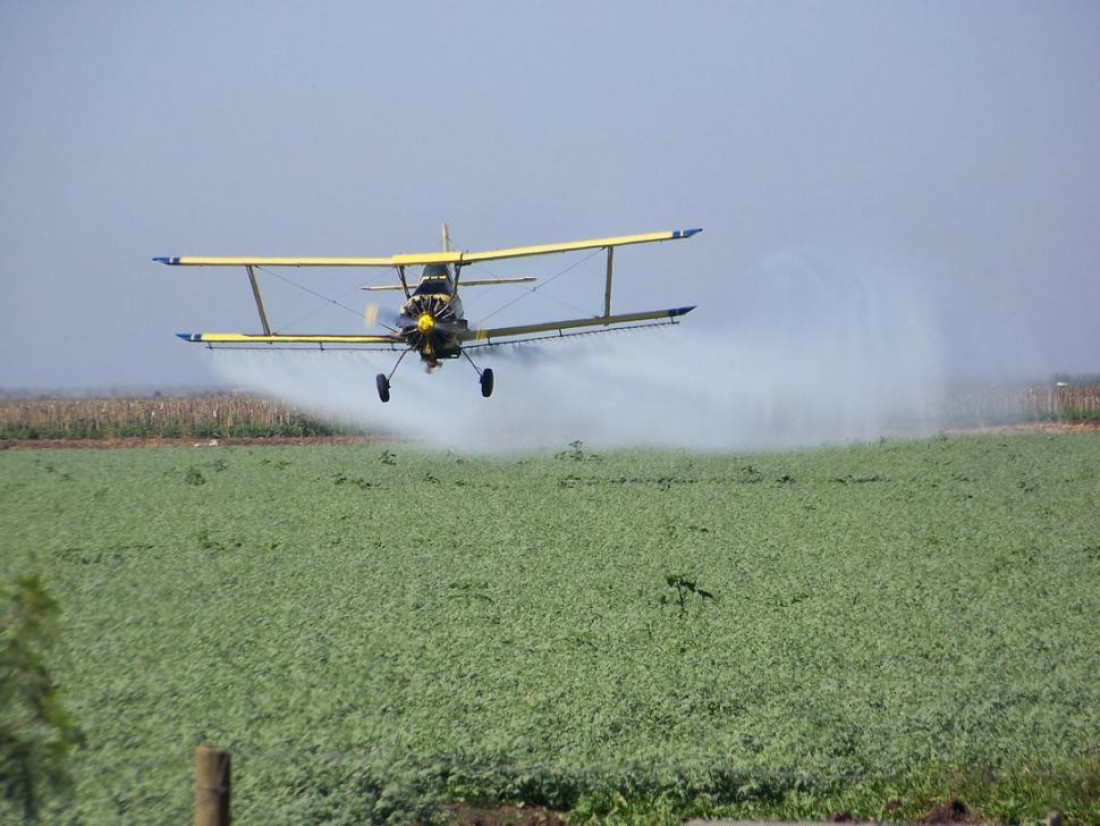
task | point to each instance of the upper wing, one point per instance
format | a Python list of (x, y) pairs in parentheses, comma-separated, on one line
[(200, 261), (417, 259), (492, 336), (568, 246)]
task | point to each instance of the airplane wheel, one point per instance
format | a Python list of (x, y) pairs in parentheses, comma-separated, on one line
[(486, 382), (383, 385)]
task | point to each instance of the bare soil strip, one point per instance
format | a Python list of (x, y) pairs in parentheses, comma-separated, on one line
[(113, 444), (306, 441)]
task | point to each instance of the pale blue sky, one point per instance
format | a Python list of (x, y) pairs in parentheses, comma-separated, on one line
[(955, 143)]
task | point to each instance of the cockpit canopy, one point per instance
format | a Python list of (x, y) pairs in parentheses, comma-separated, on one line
[(435, 280)]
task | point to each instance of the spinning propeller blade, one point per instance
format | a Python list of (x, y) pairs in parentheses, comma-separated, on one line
[(371, 314)]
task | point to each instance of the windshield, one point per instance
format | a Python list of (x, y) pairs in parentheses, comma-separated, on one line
[(434, 286), (434, 280)]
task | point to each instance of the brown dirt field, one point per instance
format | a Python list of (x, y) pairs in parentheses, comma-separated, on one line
[(112, 444), (1033, 427), (466, 815), (305, 441)]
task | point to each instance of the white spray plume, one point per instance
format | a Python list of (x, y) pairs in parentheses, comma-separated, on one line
[(793, 355)]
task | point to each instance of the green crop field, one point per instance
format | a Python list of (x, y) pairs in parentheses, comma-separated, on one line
[(377, 632)]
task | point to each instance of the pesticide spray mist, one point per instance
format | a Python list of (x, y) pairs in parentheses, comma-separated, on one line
[(793, 354)]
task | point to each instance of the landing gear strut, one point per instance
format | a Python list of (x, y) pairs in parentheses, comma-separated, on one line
[(484, 376), (382, 381)]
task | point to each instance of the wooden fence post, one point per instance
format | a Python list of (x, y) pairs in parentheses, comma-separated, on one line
[(211, 787)]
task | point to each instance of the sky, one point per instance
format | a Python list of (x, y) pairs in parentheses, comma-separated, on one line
[(891, 187)]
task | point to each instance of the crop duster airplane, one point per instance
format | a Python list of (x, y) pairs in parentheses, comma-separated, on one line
[(431, 322)]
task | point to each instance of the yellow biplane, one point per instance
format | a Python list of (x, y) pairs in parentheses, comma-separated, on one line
[(431, 321)]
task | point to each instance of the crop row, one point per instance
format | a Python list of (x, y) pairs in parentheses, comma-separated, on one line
[(224, 416), (1008, 404), (206, 417)]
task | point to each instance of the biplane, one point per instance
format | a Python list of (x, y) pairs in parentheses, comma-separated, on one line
[(431, 321)]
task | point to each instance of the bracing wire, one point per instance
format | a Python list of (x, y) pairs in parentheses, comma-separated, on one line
[(314, 293), (314, 312), (565, 303), (539, 286), (338, 300)]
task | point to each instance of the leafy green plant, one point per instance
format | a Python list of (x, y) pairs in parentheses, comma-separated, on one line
[(208, 541), (576, 453), (684, 587), (36, 732), (358, 481)]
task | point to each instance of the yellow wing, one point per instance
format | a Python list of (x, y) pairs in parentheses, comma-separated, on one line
[(275, 338), (492, 336), (417, 259), (458, 257), (201, 261)]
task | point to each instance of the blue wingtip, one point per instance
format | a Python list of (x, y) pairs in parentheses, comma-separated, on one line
[(685, 233), (167, 260), (190, 336), (681, 311)]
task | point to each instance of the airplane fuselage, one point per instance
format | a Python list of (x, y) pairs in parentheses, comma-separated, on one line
[(432, 320)]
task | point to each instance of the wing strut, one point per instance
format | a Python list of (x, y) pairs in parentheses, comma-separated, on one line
[(259, 300), (404, 283), (607, 287)]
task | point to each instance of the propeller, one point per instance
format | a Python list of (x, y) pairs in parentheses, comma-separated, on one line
[(371, 318), (431, 318)]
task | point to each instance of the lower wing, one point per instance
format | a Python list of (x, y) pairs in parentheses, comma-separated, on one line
[(230, 339), (501, 335), (472, 338)]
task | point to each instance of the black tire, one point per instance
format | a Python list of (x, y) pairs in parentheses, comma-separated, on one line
[(486, 382), (383, 385)]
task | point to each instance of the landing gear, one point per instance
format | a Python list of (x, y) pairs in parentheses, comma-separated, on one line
[(382, 381), (484, 376)]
